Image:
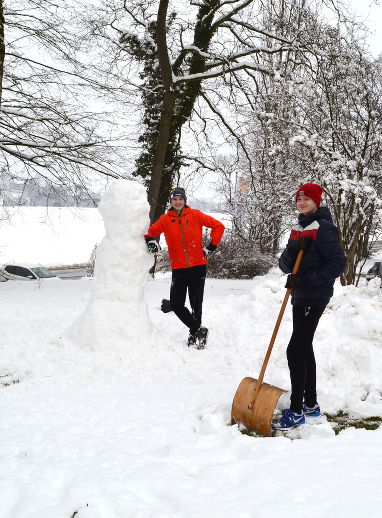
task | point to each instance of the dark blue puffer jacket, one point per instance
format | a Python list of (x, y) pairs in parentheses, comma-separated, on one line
[(321, 264)]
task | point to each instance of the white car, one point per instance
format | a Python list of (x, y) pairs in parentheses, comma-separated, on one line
[(18, 272)]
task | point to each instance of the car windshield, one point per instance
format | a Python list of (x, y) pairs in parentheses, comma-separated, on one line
[(42, 272)]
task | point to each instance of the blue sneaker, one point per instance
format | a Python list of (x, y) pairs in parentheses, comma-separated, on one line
[(288, 420), (311, 411)]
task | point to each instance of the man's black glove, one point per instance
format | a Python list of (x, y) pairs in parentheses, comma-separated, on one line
[(166, 306), (152, 246), (207, 250), (294, 281)]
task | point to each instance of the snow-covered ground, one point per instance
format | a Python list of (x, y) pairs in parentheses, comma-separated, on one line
[(143, 429), (51, 236)]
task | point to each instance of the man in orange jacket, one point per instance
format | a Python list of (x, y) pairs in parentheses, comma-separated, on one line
[(182, 227)]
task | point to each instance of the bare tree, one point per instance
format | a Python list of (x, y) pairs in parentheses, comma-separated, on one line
[(46, 129), (272, 81), (262, 203), (342, 136), (2, 47), (321, 120), (212, 45)]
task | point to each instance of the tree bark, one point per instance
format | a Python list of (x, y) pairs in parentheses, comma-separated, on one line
[(167, 110), (2, 47)]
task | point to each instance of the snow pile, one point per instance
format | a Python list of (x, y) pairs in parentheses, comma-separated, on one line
[(347, 343), (350, 350), (116, 317)]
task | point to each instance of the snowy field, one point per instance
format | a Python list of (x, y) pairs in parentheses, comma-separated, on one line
[(54, 236), (51, 236), (135, 424)]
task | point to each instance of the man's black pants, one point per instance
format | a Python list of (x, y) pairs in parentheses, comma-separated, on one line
[(300, 354), (192, 279)]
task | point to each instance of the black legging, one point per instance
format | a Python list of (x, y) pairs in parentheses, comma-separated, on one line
[(300, 354), (192, 278)]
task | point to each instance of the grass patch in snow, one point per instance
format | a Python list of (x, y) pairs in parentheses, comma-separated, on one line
[(338, 422), (343, 420), (246, 431)]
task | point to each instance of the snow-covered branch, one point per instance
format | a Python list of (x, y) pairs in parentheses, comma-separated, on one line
[(232, 132), (221, 71)]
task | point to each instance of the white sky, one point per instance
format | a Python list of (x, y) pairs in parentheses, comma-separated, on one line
[(370, 12)]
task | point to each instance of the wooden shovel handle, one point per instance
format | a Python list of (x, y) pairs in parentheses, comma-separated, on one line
[(275, 331)]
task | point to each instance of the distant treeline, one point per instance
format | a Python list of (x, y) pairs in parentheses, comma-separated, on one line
[(37, 193)]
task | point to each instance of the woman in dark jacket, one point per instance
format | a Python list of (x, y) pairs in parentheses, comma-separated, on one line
[(322, 262)]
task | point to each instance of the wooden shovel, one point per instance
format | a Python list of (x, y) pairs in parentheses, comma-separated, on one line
[(255, 401)]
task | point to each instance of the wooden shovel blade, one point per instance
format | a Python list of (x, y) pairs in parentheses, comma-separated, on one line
[(257, 417)]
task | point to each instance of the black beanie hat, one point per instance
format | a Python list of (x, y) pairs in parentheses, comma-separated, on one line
[(179, 191)]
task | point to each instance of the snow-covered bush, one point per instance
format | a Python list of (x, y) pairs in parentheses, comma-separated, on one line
[(236, 258)]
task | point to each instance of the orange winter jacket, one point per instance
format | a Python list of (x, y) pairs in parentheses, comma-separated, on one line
[(184, 236)]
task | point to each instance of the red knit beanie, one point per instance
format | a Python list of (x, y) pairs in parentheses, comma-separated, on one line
[(312, 190)]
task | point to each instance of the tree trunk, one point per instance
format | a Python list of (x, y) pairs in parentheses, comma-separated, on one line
[(167, 110), (353, 251), (2, 47)]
